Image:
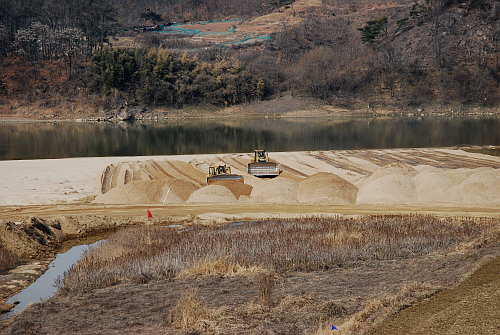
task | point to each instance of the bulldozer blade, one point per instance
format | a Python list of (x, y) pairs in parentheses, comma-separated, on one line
[(263, 169), (213, 179)]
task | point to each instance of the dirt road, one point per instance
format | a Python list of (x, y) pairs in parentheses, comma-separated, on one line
[(469, 308), (234, 211)]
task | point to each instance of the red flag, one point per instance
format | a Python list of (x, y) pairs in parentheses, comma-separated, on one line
[(149, 214)]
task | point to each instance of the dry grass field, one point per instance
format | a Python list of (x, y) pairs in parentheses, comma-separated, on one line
[(293, 276)]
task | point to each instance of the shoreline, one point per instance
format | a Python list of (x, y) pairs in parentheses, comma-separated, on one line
[(6, 119), (280, 107)]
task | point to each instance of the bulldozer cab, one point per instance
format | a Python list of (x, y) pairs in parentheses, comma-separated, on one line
[(222, 172), (218, 170), (260, 156)]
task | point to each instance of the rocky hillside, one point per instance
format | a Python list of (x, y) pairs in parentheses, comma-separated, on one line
[(399, 55)]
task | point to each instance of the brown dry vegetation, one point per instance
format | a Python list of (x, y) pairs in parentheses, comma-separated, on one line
[(153, 253), (283, 276)]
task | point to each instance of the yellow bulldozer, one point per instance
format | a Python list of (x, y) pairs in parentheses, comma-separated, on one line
[(261, 166), (222, 172)]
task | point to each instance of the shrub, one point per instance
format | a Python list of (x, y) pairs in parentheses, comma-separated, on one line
[(155, 76)]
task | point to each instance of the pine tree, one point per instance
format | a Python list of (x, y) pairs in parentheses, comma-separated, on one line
[(372, 30)]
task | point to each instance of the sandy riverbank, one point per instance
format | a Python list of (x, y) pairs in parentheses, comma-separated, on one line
[(404, 177), (49, 181)]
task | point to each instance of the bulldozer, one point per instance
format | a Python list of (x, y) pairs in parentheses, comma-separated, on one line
[(222, 172), (261, 166)]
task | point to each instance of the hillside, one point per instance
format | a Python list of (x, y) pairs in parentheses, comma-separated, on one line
[(362, 55)]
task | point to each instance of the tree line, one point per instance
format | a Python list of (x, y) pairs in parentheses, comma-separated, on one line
[(155, 76), (93, 20), (333, 58)]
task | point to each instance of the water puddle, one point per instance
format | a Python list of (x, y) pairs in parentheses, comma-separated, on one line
[(44, 287)]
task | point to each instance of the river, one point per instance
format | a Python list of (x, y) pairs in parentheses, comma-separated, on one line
[(44, 140)]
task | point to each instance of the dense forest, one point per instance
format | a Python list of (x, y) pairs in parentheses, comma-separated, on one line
[(411, 53)]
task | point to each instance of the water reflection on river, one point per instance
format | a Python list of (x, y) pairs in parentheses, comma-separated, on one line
[(71, 139)]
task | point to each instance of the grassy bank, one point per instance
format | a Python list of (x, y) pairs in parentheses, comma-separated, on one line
[(143, 254), (293, 276)]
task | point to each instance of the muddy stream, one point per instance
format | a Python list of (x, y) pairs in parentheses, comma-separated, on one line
[(69, 253)]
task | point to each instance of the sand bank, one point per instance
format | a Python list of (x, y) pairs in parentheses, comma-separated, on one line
[(375, 177)]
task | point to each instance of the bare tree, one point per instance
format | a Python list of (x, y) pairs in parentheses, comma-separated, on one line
[(316, 71), (70, 41), (4, 40)]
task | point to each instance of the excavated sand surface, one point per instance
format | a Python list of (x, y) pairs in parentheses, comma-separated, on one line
[(397, 176), (149, 192), (375, 177), (212, 193), (328, 189), (288, 175), (237, 188)]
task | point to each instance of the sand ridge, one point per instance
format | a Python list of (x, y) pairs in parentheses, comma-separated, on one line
[(377, 177), (441, 176)]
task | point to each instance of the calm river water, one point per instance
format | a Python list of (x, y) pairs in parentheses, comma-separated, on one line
[(72, 139)]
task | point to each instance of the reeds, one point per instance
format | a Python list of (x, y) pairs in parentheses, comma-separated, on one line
[(141, 254), (266, 286)]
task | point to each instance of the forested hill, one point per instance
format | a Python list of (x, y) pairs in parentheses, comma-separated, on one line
[(100, 54)]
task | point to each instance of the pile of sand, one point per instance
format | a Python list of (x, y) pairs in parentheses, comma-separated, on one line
[(237, 188), (482, 186), (431, 186), (212, 193), (426, 184), (123, 195), (327, 189), (472, 186), (166, 182), (276, 190), (389, 189), (148, 192), (389, 169), (115, 175), (390, 184), (468, 186)]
